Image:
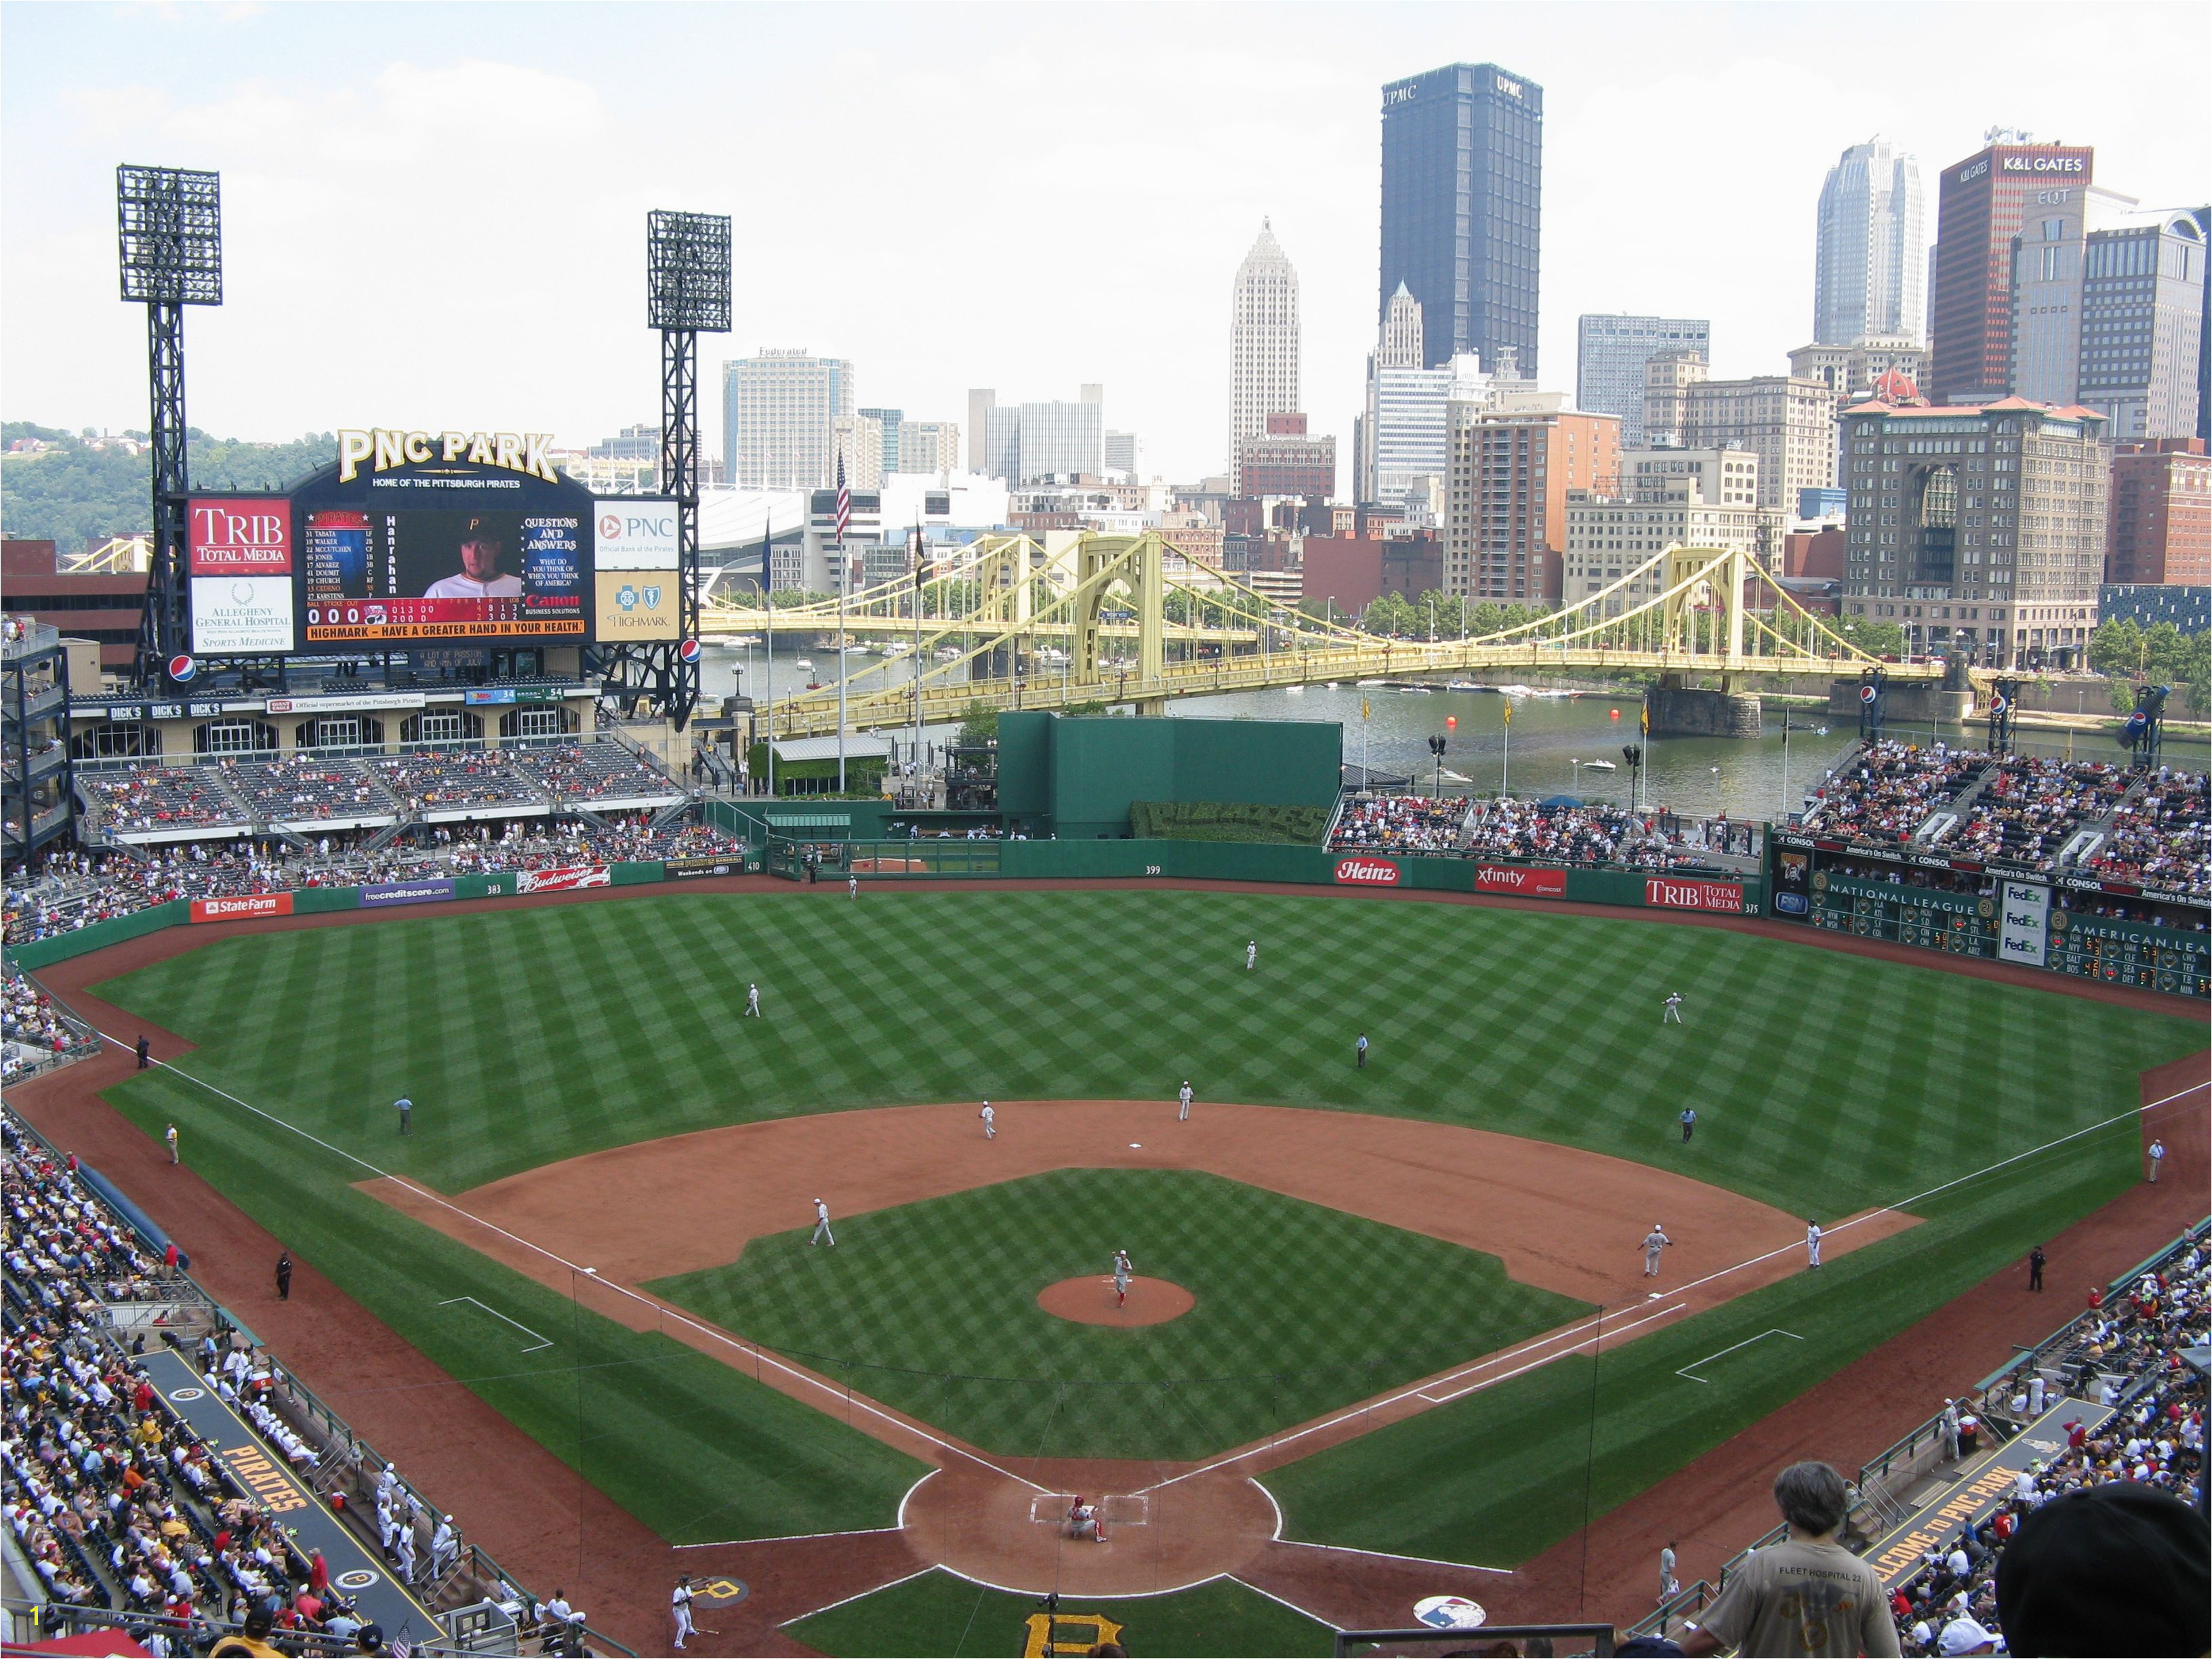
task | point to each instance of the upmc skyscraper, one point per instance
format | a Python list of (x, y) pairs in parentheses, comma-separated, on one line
[(1463, 179)]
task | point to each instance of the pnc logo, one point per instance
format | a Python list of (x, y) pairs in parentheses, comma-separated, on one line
[(1378, 873), (611, 526)]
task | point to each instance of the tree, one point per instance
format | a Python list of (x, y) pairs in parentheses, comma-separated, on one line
[(979, 725)]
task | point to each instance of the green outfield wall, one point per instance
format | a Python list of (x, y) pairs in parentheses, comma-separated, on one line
[(1075, 776)]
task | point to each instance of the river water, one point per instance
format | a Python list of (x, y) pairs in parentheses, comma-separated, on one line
[(1700, 777)]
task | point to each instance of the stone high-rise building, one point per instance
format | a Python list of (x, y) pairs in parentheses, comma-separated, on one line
[(1979, 528), (1263, 340), (1984, 202), (1789, 423), (2159, 528)]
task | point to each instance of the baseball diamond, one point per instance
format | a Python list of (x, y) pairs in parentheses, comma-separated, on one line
[(1394, 1271)]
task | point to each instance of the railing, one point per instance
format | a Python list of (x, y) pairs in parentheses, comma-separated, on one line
[(1596, 1640), (1675, 1611), (346, 1454)]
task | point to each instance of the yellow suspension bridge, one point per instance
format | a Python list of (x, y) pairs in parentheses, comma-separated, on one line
[(1088, 622)]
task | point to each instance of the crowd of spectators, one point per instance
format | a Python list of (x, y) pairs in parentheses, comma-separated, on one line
[(306, 788), (1570, 834), (33, 1033), (1400, 824), (1890, 789), (2161, 837), (114, 1501), (448, 780), (74, 889), (157, 797), (2126, 1354), (2029, 809), (598, 771)]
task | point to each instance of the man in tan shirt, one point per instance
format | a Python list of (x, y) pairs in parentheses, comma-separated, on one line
[(1806, 1598)]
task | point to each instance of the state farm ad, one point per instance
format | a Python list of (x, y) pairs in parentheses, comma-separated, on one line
[(242, 908), (1367, 873), (1527, 880), (1670, 893)]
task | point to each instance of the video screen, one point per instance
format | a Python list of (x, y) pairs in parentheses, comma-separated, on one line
[(372, 574)]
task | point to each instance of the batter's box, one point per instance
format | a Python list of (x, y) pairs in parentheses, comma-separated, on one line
[(1051, 1507)]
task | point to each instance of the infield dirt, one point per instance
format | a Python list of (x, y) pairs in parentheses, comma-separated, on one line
[(532, 1512)]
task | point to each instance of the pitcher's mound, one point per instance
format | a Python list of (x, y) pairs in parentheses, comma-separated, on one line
[(1090, 1301)]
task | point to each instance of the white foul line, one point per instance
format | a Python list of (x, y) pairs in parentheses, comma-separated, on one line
[(542, 1342), (661, 1310), (1723, 1273), (1731, 1348)]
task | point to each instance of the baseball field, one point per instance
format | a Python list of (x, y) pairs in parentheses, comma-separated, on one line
[(600, 1222)]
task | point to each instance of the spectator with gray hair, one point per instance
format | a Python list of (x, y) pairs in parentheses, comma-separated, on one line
[(1808, 1596)]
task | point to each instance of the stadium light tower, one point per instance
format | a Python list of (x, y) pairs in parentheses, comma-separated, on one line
[(687, 292), (168, 226)]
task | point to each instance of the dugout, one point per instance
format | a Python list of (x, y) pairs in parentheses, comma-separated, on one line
[(1074, 776)]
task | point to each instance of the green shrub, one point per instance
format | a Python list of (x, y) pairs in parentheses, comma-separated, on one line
[(1216, 820)]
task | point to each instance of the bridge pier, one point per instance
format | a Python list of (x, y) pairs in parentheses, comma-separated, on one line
[(1680, 711)]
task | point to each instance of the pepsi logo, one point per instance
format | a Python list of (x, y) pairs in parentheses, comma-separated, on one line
[(1866, 693), (688, 651), (1377, 872), (182, 668)]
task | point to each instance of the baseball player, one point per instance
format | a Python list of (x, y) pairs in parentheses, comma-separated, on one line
[(853, 886), (990, 1121), (1673, 1009), (822, 1225), (1251, 955), (169, 1134), (679, 1604), (406, 1110), (1669, 1584), (1811, 1242), (1183, 1102), (1359, 1049), (1654, 1242), (1121, 1271), (1689, 1122), (752, 1002)]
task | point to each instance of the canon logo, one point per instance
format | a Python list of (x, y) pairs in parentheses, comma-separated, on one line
[(1379, 872)]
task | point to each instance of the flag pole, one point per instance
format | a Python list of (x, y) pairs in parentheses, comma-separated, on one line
[(844, 568), (767, 599)]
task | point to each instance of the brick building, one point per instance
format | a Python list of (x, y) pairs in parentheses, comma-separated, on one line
[(2158, 524), (1285, 461), (1505, 517), (1355, 571), (105, 608)]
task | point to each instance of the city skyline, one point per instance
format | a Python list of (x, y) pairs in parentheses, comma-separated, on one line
[(495, 143)]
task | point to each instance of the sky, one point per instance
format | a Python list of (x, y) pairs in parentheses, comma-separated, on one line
[(435, 215)]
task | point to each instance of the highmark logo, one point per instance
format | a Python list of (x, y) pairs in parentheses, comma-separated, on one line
[(1379, 872)]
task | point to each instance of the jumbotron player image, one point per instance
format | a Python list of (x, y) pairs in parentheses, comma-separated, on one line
[(478, 577)]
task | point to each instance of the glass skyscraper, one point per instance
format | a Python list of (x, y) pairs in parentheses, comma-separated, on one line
[(1463, 179)]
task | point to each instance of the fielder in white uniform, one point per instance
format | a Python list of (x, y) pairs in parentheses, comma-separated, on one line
[(1672, 1009), (1812, 1244), (1183, 1102), (679, 1603), (1654, 1242), (852, 885), (1251, 956), (752, 1000), (822, 1225), (1122, 1271), (990, 1121)]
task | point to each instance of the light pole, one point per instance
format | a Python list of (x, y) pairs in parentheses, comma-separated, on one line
[(1785, 766), (1506, 772)]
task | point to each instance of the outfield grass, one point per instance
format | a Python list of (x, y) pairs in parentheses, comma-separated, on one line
[(1824, 1082), (936, 1614), (1300, 1309)]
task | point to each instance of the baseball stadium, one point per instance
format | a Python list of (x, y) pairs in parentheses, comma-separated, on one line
[(488, 1168)]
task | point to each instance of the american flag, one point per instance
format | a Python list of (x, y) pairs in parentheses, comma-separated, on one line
[(844, 502)]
